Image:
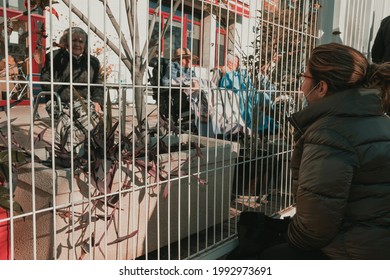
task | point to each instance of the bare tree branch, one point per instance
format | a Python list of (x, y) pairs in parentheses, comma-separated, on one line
[(117, 28), (140, 106), (129, 8), (136, 31), (152, 45)]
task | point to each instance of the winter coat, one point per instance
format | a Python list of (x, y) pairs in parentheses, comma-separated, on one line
[(61, 73), (177, 75), (239, 82), (341, 177), (381, 48)]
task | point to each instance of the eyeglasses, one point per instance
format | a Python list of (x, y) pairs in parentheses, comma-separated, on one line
[(303, 75)]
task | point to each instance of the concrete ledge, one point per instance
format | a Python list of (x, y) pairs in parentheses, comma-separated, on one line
[(158, 220)]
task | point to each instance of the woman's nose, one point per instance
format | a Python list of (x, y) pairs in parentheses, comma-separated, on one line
[(78, 43)]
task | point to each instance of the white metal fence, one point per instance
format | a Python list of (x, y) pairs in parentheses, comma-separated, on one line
[(151, 178)]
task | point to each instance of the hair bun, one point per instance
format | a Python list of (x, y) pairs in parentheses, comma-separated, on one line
[(372, 78)]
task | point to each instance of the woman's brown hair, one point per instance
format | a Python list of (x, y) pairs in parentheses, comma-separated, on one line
[(343, 67)]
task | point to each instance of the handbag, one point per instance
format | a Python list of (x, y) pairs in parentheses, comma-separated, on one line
[(256, 232)]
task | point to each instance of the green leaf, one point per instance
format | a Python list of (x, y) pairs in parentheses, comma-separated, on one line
[(17, 156), (18, 208), (5, 203), (3, 191)]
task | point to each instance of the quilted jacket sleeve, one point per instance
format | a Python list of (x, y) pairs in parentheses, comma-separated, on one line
[(324, 179)]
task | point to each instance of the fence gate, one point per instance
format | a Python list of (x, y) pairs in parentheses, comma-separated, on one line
[(126, 138)]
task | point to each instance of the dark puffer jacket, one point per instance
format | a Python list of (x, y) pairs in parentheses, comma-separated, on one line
[(341, 177), (61, 73)]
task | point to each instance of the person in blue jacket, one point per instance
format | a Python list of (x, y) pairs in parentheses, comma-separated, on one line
[(237, 80), (179, 73)]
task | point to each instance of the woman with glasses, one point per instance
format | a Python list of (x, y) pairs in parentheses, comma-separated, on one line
[(341, 161)]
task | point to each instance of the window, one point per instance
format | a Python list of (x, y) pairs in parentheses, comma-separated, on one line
[(185, 31), (14, 4), (193, 38), (174, 41), (221, 48)]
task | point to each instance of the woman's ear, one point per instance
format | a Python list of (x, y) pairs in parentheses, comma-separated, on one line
[(322, 89)]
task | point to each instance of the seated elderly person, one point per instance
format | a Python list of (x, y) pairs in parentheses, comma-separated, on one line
[(82, 73), (178, 73), (237, 80)]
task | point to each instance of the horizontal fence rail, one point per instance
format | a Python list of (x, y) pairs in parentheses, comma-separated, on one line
[(126, 138)]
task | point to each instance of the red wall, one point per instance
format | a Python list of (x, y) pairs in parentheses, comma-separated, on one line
[(4, 237)]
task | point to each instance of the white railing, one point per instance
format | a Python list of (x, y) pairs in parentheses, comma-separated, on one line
[(152, 180)]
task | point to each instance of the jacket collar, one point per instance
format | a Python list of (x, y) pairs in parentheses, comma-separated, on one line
[(356, 102)]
